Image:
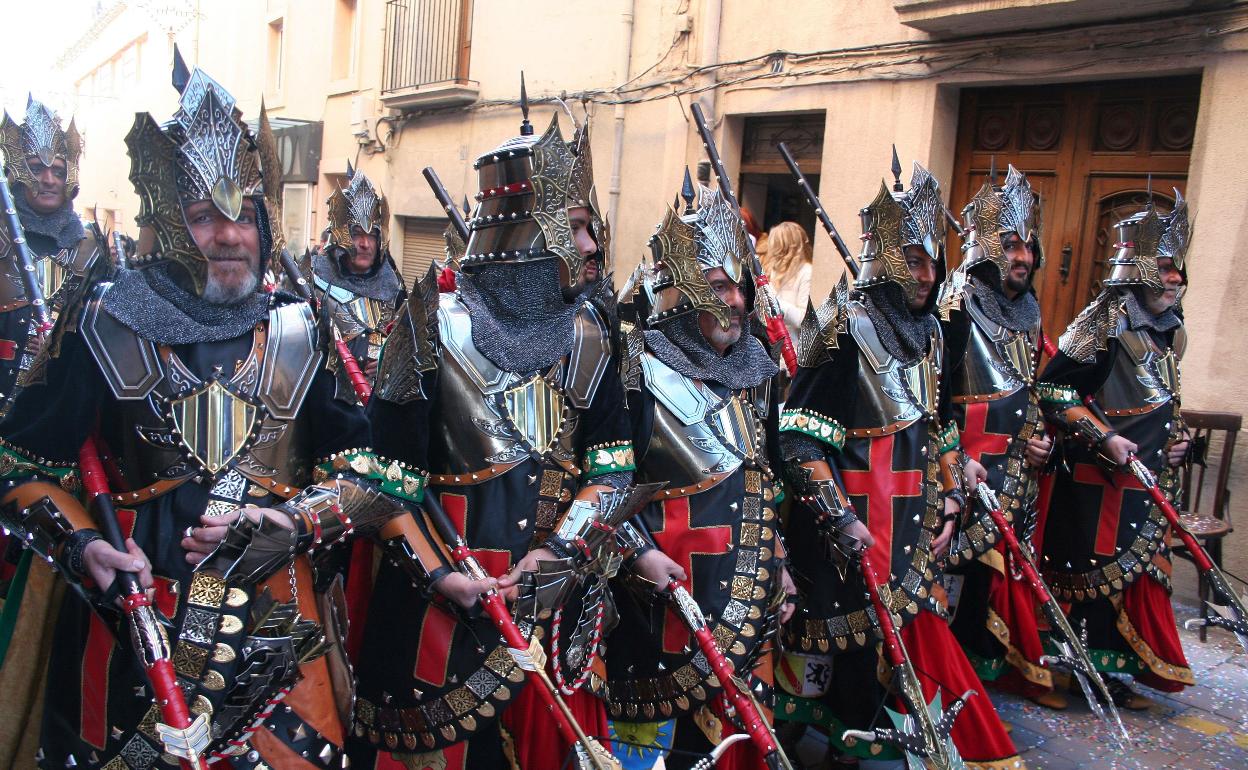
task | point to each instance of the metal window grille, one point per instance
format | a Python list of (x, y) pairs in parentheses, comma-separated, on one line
[(426, 42)]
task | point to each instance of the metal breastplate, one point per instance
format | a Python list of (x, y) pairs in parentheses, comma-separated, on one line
[(700, 438), (1144, 376), (58, 273), (890, 396), (998, 361), (488, 417), (178, 426)]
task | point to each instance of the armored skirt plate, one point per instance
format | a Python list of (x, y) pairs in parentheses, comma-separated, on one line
[(214, 424), (536, 410)]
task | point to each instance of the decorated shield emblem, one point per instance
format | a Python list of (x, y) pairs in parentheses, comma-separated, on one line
[(1017, 351), (922, 384), (51, 275), (735, 426), (213, 424), (535, 408)]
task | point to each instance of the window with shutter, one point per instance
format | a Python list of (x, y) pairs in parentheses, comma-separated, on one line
[(422, 243)]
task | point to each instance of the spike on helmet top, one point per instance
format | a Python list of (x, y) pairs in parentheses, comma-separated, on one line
[(40, 136), (1144, 238), (897, 219), (205, 152), (997, 211), (358, 205), (686, 246), (527, 184)]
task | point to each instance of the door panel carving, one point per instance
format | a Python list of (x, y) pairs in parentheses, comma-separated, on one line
[(1088, 149)]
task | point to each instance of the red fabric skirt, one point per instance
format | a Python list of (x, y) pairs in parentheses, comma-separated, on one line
[(978, 732), (1015, 603), (538, 742), (1148, 608)]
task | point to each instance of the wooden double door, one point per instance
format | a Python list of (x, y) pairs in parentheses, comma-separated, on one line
[(1089, 149)]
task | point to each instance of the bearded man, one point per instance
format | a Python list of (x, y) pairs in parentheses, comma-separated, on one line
[(991, 324), (214, 398), (41, 164)]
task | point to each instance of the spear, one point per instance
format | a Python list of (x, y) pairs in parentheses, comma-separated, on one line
[(1231, 616), (923, 731), (25, 260), (812, 198), (182, 737), (756, 726), (444, 198), (529, 655), (769, 305), (1073, 653)]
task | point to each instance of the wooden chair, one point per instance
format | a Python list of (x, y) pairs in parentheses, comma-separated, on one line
[(1209, 523)]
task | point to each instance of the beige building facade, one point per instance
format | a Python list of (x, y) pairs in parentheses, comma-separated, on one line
[(1105, 93)]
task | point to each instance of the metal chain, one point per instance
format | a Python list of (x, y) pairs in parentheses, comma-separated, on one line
[(294, 585)]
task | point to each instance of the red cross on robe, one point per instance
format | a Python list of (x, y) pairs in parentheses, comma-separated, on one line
[(1110, 512), (881, 486), (976, 438), (680, 540), (438, 628)]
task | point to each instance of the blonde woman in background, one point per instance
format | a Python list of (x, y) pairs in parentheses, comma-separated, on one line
[(787, 260)]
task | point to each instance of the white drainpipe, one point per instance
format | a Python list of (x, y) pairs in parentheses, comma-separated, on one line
[(617, 150)]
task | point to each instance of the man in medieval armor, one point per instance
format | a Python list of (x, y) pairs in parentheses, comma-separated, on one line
[(1104, 539), (214, 398), (527, 432), (705, 413), (873, 453), (41, 164), (991, 324), (354, 277)]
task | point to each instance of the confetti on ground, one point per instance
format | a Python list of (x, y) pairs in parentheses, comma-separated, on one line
[(1203, 727)]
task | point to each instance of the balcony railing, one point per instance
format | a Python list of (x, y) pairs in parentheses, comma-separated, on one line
[(427, 48)]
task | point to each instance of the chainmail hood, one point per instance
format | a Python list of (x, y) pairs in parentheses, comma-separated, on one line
[(152, 303), (520, 321), (1140, 317), (902, 332), (380, 283), (680, 344), (62, 225), (1019, 314)]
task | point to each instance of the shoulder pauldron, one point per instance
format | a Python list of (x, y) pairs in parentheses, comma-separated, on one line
[(821, 326), (411, 349), (1092, 329)]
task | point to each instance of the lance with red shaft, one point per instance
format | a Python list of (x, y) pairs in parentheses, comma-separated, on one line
[(1231, 616), (736, 691), (1073, 653), (528, 655), (923, 732), (768, 304), (182, 737)]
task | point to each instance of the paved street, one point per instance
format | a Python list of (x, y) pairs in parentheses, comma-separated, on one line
[(1205, 726), (1202, 728)]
